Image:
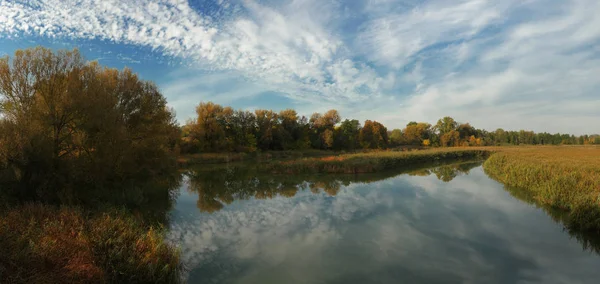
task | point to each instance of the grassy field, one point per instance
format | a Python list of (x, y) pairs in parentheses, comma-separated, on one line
[(566, 178), (45, 244)]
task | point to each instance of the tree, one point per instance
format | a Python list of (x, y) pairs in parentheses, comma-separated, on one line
[(267, 127), (373, 135), (449, 139), (347, 135), (290, 131), (445, 125), (415, 133), (396, 137), (209, 128), (319, 124), (71, 129)]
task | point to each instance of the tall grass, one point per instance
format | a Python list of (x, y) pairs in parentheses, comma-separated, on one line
[(45, 244), (228, 157), (370, 162), (565, 178)]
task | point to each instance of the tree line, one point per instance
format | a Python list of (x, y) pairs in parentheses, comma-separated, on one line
[(223, 129)]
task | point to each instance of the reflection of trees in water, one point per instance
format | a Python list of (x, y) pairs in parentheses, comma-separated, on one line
[(217, 187), (588, 241), (154, 198), (447, 173)]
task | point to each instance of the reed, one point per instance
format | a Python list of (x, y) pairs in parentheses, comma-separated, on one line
[(565, 178), (370, 162)]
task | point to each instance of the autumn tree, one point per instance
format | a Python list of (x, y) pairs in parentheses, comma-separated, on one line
[(415, 133), (72, 128), (322, 127), (445, 125), (267, 128), (373, 135)]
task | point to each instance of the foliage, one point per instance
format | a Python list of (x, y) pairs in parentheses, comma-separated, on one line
[(44, 244), (71, 129), (75, 133), (369, 162), (373, 135), (566, 178), (220, 129)]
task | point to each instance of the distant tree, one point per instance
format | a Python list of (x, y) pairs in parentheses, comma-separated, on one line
[(373, 135), (415, 133), (318, 126), (267, 127), (450, 139), (209, 128), (445, 125), (347, 135), (396, 137)]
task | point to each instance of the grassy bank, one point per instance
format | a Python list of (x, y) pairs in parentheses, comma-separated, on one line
[(45, 244), (565, 178), (228, 157), (370, 162)]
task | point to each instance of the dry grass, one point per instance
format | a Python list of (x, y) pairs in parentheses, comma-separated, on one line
[(44, 244), (228, 157), (567, 178), (371, 162)]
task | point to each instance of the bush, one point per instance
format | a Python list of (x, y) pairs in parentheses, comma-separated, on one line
[(45, 244)]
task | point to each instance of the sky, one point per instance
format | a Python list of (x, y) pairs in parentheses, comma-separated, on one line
[(511, 64)]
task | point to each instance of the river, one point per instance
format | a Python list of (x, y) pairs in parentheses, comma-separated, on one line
[(443, 224)]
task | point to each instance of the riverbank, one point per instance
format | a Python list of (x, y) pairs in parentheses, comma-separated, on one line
[(45, 244), (232, 157), (370, 162), (564, 178)]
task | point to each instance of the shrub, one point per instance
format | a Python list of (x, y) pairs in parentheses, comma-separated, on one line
[(45, 244)]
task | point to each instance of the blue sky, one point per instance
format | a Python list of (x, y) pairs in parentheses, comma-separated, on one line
[(515, 64)]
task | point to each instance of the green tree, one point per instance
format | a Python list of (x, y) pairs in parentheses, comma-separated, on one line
[(347, 135), (396, 137), (445, 125)]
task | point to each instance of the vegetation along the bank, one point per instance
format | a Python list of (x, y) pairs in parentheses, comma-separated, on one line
[(90, 140), (44, 244), (565, 178), (370, 162)]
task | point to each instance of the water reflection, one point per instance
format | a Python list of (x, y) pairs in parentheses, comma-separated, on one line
[(588, 240), (219, 186), (434, 225)]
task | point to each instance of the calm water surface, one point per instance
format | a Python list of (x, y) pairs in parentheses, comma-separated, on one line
[(447, 224)]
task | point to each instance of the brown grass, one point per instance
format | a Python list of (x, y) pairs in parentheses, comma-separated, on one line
[(44, 244), (563, 177)]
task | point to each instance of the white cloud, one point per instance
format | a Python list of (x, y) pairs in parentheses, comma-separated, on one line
[(395, 37), (511, 64), (288, 48)]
